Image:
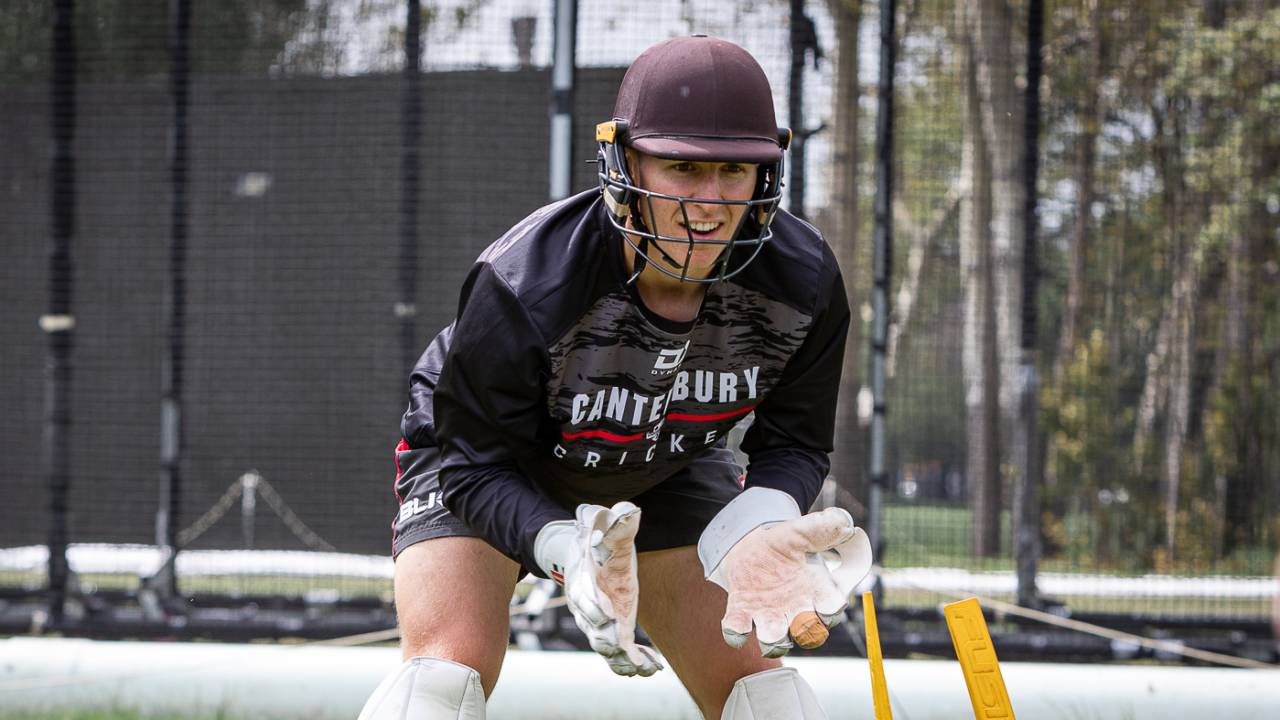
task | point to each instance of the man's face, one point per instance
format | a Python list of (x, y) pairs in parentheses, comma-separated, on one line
[(706, 221)]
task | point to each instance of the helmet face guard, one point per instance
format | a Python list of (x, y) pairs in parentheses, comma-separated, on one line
[(624, 199)]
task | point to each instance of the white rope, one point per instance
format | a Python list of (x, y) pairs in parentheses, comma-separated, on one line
[(277, 504), (212, 515), (1091, 629), (291, 520), (367, 638)]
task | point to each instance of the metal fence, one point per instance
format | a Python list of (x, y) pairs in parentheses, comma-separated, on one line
[(228, 229)]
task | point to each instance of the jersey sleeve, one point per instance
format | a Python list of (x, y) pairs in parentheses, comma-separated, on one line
[(789, 442), (489, 406)]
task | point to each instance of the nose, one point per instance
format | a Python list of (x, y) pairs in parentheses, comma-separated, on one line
[(710, 186)]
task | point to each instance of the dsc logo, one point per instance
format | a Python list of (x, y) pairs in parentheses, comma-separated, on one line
[(669, 360)]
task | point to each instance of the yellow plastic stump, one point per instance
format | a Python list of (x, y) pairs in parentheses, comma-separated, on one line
[(977, 656), (879, 690)]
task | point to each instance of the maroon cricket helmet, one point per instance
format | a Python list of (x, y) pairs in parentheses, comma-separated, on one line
[(699, 98)]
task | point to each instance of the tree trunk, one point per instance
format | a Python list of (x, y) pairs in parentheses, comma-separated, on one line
[(924, 238), (1154, 390), (1231, 367), (1155, 386), (1183, 228), (1245, 499), (991, 30), (979, 342), (1183, 298), (1113, 316), (849, 465), (1083, 159)]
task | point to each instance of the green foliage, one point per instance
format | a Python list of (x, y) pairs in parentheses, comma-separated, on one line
[(1239, 423), (1098, 510), (1185, 174), (1188, 158)]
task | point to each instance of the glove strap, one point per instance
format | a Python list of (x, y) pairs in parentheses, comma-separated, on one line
[(755, 507)]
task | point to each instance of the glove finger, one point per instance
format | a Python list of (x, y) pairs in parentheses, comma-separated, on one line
[(819, 531), (582, 602), (834, 619), (623, 509), (587, 514), (775, 650), (828, 601), (735, 626), (645, 662), (621, 664), (773, 633), (621, 528), (602, 640), (771, 630), (732, 638)]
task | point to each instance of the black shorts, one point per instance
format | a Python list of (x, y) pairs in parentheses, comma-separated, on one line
[(675, 510)]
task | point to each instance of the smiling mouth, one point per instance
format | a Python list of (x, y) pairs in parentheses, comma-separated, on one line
[(702, 229)]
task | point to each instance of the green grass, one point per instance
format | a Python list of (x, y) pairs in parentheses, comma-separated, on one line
[(1244, 608), (936, 536), (922, 535)]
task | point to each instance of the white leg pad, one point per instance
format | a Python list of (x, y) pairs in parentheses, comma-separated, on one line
[(426, 688), (779, 694)]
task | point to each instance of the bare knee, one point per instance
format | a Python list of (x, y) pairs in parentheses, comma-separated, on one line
[(452, 596), (711, 690), (681, 612), (485, 661)]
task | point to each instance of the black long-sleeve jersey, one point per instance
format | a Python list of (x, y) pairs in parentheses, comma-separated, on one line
[(556, 386)]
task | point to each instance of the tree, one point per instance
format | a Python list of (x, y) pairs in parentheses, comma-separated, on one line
[(849, 460), (981, 364), (1170, 261), (1088, 121), (991, 248)]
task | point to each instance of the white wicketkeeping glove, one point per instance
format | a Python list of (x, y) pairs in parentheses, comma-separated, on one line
[(594, 557), (770, 559)]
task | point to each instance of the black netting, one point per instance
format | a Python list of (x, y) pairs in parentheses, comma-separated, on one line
[(1157, 427)]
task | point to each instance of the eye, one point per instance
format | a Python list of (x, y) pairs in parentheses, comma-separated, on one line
[(683, 167)]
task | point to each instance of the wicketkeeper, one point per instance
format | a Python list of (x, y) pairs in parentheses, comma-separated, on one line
[(571, 422)]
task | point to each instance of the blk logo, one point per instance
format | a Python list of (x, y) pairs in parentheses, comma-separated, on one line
[(414, 506)]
